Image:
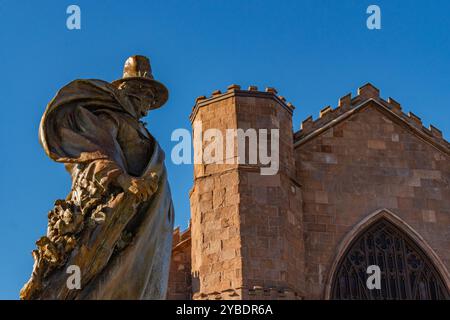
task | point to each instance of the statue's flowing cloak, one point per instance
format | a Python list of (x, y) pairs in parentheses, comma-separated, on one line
[(73, 132)]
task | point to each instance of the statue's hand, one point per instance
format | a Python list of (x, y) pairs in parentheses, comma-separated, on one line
[(142, 188)]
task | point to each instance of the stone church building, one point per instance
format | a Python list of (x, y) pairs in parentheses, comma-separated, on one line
[(364, 184)]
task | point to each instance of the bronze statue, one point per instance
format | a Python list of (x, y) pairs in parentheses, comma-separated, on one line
[(116, 223)]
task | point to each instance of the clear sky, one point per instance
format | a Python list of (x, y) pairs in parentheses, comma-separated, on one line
[(313, 52)]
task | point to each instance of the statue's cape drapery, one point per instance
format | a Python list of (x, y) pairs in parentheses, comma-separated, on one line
[(69, 133), (72, 133)]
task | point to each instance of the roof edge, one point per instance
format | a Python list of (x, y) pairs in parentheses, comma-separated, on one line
[(432, 135)]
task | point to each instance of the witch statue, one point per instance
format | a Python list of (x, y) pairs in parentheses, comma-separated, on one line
[(111, 237)]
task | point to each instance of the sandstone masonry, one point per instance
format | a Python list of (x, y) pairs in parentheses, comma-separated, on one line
[(281, 236)]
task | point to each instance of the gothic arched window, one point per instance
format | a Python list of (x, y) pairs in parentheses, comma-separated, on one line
[(406, 271)]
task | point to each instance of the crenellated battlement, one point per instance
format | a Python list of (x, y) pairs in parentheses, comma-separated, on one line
[(261, 293), (236, 90), (255, 293), (366, 93), (179, 237)]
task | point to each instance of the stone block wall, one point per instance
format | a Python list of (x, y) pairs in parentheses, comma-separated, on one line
[(279, 237), (180, 278), (270, 207), (216, 241), (245, 225), (369, 161)]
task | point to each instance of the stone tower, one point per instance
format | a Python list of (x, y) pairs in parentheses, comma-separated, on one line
[(246, 227), (374, 189)]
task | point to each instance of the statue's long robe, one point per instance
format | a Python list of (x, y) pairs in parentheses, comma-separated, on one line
[(90, 123)]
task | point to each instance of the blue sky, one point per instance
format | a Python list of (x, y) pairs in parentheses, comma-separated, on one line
[(313, 52)]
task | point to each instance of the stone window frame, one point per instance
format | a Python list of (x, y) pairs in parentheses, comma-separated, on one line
[(399, 223)]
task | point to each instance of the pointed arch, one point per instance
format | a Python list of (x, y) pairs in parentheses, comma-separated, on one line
[(408, 233)]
